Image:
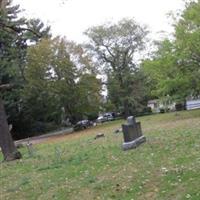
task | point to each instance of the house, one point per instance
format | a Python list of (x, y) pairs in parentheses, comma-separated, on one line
[(192, 104), (156, 105)]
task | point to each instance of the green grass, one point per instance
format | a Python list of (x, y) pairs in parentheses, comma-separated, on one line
[(166, 167)]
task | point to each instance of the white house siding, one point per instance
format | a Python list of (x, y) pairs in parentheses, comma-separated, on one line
[(193, 104)]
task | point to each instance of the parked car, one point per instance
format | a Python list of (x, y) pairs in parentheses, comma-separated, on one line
[(83, 124), (105, 117), (109, 116), (101, 119)]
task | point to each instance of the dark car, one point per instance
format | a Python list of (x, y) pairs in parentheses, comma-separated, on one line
[(83, 124)]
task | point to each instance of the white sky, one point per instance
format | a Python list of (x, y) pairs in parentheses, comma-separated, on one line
[(73, 17)]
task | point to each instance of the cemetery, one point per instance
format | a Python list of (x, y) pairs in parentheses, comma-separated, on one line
[(99, 100), (77, 166)]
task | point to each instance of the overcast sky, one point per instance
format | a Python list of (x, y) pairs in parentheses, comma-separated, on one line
[(73, 17)]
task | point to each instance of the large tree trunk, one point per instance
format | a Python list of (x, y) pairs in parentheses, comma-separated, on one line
[(6, 142)]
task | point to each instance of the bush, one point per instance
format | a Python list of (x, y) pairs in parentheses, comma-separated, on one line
[(92, 116)]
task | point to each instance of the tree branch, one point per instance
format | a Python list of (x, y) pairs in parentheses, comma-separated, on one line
[(109, 50), (19, 29), (103, 56)]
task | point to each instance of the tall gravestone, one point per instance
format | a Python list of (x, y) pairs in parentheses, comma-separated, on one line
[(132, 134)]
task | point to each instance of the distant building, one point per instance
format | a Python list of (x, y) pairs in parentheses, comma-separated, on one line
[(192, 104), (156, 105)]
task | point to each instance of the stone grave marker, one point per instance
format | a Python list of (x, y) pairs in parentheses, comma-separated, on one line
[(132, 134)]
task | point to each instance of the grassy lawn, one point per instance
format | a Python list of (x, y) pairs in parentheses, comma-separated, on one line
[(166, 167)]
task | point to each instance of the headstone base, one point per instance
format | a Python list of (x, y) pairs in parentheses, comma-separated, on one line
[(133, 144)]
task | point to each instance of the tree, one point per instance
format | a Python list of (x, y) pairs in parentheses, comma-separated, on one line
[(116, 46), (187, 40), (81, 58), (174, 67), (13, 44), (89, 88), (167, 80), (37, 27), (56, 83), (128, 99), (8, 56)]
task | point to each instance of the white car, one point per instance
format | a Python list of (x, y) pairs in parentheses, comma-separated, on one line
[(101, 119), (104, 118)]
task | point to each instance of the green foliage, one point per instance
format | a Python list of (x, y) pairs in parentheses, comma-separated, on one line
[(15, 35), (115, 47), (36, 91), (11, 45), (187, 44), (165, 77), (54, 83), (12, 51), (174, 69), (45, 77), (37, 27), (131, 95), (89, 88)]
